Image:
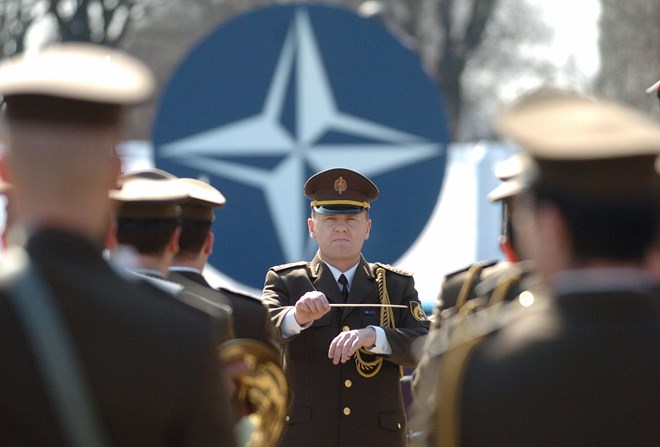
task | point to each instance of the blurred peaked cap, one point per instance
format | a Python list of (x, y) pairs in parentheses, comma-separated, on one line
[(146, 174), (512, 167), (78, 71), (340, 191), (147, 198), (200, 201), (580, 145), (202, 193), (515, 173), (148, 186), (655, 88), (552, 124)]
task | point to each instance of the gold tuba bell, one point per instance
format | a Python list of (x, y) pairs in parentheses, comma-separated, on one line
[(261, 398)]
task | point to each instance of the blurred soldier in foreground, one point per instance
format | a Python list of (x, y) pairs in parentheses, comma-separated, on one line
[(6, 191), (471, 290), (653, 257), (482, 279), (89, 359), (344, 361), (577, 364), (261, 398), (195, 246), (164, 218)]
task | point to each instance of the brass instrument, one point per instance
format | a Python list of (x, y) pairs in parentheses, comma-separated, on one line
[(262, 390)]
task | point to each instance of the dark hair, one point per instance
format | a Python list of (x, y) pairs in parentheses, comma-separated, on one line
[(604, 228), (507, 223), (147, 236), (193, 235)]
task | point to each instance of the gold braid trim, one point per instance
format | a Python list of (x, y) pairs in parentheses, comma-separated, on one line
[(471, 279), (447, 411), (505, 285), (369, 369)]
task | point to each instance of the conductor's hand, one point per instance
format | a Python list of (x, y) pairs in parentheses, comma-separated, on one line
[(310, 307), (346, 343)]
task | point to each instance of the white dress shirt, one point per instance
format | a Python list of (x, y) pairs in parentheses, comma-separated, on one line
[(290, 326)]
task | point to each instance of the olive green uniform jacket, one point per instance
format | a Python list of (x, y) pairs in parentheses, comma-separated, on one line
[(333, 405)]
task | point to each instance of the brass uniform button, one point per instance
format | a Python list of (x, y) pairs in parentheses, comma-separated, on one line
[(347, 411), (346, 329), (286, 418), (348, 383), (398, 425)]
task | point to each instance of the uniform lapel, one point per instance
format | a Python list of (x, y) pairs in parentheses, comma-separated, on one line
[(324, 281), (363, 286)]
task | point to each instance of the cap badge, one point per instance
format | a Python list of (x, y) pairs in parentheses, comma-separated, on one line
[(341, 185)]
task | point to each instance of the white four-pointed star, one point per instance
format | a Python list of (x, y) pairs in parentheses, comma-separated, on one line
[(316, 115)]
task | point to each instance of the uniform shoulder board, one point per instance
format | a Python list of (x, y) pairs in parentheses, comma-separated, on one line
[(393, 269), (457, 272), (493, 275), (458, 286), (484, 264), (169, 287), (240, 293), (279, 268)]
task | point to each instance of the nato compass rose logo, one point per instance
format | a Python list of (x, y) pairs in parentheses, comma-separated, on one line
[(275, 95)]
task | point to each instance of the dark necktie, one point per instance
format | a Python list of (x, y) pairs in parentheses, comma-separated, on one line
[(344, 286)]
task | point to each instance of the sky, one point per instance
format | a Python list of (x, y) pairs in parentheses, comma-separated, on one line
[(574, 47), (576, 31)]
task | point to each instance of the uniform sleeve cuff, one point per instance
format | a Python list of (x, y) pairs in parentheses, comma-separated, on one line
[(382, 344), (290, 326)]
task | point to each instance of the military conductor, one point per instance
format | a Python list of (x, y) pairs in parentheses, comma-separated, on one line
[(343, 339)]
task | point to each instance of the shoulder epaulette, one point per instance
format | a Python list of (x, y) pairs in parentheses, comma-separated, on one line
[(241, 293), (393, 269), (483, 264), (170, 287), (457, 272), (505, 284), (494, 275), (279, 268)]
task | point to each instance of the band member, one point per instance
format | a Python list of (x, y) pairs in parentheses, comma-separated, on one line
[(89, 358), (196, 245), (576, 362)]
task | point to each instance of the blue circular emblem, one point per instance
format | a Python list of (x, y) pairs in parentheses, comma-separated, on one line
[(275, 95)]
